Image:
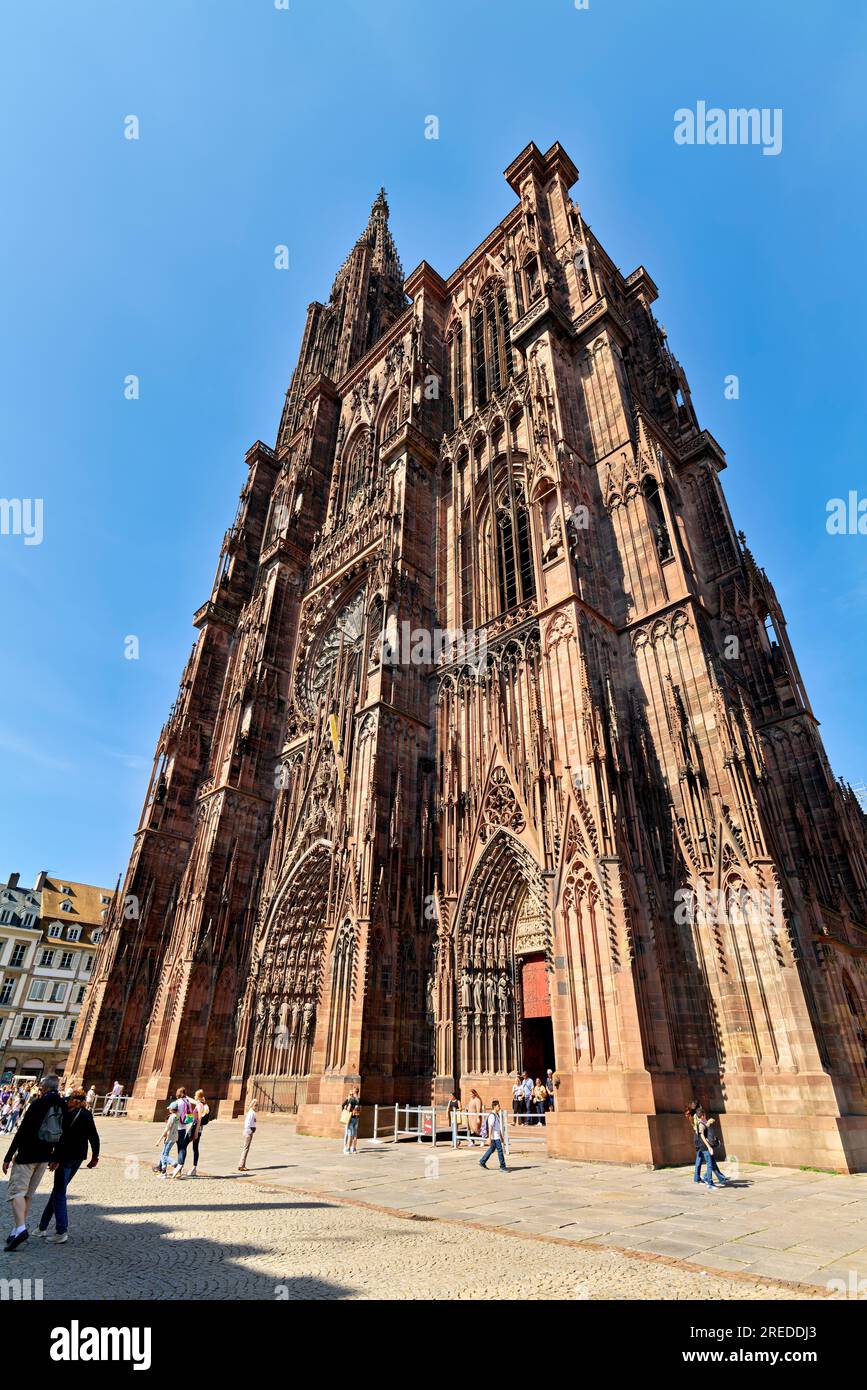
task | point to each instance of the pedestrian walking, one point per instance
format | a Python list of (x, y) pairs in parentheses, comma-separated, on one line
[(186, 1125), (79, 1135), (704, 1150), (249, 1131), (90, 1098), (168, 1139), (30, 1152), (714, 1140), (474, 1117), (203, 1115), (349, 1115), (493, 1132)]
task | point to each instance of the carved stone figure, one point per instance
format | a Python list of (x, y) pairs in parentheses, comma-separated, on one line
[(503, 993), (490, 993), (478, 1001)]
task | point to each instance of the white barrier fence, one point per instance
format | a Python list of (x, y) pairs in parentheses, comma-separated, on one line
[(394, 1122), (422, 1123)]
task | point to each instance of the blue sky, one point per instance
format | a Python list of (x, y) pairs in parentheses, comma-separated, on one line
[(261, 127)]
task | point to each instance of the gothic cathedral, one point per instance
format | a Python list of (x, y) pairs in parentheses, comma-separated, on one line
[(492, 752)]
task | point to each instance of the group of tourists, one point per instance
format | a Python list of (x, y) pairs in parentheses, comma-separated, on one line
[(531, 1099), (185, 1120), (55, 1133), (14, 1100)]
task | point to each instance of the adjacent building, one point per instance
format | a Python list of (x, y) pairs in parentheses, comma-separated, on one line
[(20, 934), (55, 937), (598, 832)]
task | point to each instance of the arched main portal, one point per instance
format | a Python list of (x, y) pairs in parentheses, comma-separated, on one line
[(503, 954), (288, 984)]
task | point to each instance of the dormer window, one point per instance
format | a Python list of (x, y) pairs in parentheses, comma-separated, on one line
[(66, 907)]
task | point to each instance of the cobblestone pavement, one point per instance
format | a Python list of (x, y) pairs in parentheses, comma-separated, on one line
[(229, 1237), (404, 1222)]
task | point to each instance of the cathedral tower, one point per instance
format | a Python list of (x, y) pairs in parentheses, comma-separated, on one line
[(492, 753)]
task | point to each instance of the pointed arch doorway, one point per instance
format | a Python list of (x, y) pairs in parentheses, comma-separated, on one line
[(534, 995), (286, 989), (503, 950)]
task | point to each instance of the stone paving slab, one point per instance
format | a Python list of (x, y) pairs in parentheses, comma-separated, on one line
[(777, 1223), (133, 1236)]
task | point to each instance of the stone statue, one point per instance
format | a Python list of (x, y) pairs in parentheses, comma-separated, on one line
[(552, 546), (478, 1002), (490, 989), (466, 1000), (503, 992), (429, 999)]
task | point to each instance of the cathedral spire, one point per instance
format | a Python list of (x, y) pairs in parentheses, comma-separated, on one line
[(366, 298), (377, 237)]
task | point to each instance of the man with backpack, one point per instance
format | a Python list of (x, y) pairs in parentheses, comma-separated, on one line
[(492, 1130), (30, 1153)]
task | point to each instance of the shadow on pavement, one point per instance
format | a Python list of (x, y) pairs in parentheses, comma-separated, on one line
[(153, 1260)]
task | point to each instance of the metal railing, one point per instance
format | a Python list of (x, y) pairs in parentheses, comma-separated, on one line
[(394, 1122), (523, 1129), (110, 1106), (466, 1126), (280, 1095)]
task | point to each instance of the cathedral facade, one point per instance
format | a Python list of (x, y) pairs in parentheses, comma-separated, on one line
[(492, 752)]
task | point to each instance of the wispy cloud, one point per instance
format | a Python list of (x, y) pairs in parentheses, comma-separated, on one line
[(35, 753), (134, 761)]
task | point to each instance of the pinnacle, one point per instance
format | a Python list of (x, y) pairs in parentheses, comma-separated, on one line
[(380, 206), (377, 235)]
